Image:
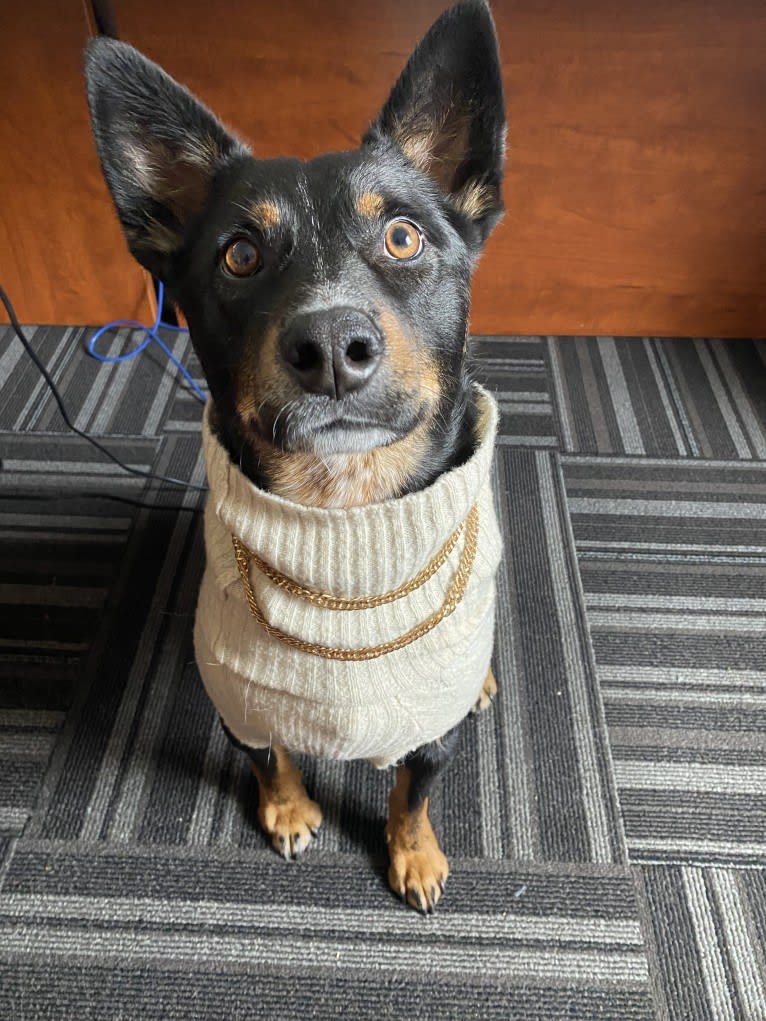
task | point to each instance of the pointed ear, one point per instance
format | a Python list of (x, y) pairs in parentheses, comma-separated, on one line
[(446, 112), (159, 147)]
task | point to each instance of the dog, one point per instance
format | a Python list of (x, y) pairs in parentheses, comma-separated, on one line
[(328, 304)]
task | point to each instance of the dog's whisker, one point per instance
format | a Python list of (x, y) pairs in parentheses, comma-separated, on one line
[(281, 411)]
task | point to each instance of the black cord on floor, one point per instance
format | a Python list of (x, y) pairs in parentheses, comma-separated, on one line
[(57, 397), (91, 494)]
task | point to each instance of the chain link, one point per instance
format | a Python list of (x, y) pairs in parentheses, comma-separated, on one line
[(326, 601), (452, 599)]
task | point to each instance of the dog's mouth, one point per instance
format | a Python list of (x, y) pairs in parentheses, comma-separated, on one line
[(345, 435), (324, 427)]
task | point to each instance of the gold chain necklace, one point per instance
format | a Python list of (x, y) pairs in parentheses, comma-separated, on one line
[(454, 595)]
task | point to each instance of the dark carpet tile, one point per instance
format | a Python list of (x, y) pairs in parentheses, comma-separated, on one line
[(707, 940), (27, 738), (660, 398), (133, 398), (143, 758), (56, 572), (515, 370)]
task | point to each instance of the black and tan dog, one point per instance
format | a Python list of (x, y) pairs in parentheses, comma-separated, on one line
[(328, 302)]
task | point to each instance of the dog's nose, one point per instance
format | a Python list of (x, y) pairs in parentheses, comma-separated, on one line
[(333, 352)]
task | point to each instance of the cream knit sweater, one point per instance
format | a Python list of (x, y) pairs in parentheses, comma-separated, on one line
[(379, 709)]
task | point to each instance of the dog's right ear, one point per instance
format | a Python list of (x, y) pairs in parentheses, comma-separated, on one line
[(159, 147)]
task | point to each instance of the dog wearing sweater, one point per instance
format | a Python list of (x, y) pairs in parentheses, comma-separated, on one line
[(347, 606)]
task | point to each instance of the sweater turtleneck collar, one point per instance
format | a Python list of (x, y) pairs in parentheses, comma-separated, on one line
[(341, 550)]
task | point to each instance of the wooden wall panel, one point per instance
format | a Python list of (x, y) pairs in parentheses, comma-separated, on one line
[(637, 198), (62, 256), (636, 189)]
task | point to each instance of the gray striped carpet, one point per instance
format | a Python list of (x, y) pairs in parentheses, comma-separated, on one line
[(605, 821)]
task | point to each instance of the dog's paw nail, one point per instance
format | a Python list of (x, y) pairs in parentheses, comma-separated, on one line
[(442, 885), (416, 900)]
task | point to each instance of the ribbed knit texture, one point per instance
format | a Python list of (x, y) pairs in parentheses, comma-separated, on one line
[(379, 709)]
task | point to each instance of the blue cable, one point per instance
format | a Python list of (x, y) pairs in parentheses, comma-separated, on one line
[(151, 335)]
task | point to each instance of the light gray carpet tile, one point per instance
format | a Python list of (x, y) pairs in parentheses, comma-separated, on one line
[(320, 938), (515, 370), (50, 456), (560, 805), (673, 565)]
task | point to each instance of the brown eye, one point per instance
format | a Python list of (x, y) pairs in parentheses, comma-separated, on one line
[(242, 258), (403, 240)]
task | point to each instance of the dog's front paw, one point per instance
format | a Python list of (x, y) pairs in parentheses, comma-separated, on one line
[(418, 869), (292, 821), (285, 811), (487, 694)]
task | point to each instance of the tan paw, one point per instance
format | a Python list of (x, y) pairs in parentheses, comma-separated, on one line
[(418, 877), (291, 824), (285, 811), (418, 869), (487, 695)]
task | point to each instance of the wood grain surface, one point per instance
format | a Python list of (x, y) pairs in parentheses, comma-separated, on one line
[(636, 189), (62, 256)]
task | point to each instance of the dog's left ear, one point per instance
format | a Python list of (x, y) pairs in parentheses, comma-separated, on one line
[(446, 112)]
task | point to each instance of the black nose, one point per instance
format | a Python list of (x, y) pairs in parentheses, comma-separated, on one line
[(332, 352)]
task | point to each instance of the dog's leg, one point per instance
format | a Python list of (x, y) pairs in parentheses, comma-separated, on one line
[(285, 811), (418, 869), (487, 694)]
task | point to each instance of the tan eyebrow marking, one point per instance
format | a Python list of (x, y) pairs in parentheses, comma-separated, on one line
[(370, 204), (265, 214)]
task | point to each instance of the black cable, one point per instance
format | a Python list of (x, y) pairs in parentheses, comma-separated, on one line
[(89, 494), (57, 397)]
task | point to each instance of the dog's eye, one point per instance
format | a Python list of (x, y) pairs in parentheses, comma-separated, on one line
[(403, 240), (242, 258)]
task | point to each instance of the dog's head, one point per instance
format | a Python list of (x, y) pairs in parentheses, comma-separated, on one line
[(327, 300)]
